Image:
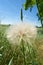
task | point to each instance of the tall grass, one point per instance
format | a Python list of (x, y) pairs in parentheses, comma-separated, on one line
[(24, 54)]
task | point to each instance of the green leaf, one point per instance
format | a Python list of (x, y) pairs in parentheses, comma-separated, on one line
[(1, 47), (10, 62), (0, 55)]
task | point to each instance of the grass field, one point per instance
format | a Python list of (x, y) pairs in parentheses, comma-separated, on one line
[(6, 51)]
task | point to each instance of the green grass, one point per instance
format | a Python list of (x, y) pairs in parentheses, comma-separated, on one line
[(6, 52), (5, 48)]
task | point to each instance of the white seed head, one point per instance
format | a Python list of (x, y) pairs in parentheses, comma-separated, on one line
[(20, 31)]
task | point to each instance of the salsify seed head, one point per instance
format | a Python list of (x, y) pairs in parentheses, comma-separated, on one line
[(20, 31)]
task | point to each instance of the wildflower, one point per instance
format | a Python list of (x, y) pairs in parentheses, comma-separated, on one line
[(21, 31)]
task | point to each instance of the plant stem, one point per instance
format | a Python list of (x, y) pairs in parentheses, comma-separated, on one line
[(23, 50)]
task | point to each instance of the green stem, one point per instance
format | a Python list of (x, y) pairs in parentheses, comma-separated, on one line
[(21, 15), (23, 50)]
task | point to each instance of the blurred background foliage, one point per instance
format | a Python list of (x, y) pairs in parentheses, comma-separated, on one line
[(39, 4)]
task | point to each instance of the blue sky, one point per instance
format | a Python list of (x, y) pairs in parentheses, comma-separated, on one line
[(10, 12)]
